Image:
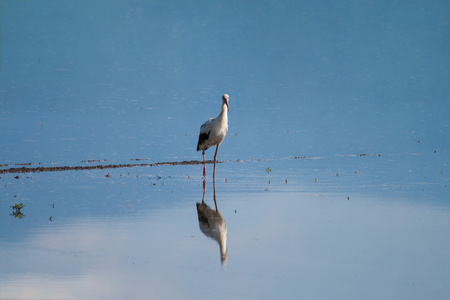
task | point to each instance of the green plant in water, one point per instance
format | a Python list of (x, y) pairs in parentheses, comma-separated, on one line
[(17, 210), (18, 206)]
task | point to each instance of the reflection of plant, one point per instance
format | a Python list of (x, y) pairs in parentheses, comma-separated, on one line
[(17, 210), (268, 170)]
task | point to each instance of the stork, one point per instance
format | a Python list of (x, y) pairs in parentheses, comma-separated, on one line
[(213, 132)]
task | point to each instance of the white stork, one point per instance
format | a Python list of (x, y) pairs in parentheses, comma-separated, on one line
[(213, 132)]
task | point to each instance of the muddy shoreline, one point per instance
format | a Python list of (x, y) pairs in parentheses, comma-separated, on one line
[(27, 169)]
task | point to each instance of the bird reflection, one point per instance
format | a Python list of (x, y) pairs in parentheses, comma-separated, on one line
[(212, 223)]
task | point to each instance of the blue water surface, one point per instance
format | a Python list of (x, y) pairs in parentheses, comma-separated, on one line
[(118, 81)]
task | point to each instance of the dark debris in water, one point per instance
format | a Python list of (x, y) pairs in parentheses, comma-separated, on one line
[(361, 155), (94, 160)]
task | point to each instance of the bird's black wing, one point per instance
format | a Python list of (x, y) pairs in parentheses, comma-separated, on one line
[(201, 138)]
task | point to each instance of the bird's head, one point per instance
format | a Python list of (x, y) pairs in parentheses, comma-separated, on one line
[(225, 99)]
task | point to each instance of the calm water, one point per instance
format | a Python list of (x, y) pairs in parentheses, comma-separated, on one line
[(336, 183)]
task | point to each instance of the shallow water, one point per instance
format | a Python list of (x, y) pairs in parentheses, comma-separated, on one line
[(321, 228), (335, 180)]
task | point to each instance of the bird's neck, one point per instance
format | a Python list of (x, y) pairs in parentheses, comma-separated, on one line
[(223, 113)]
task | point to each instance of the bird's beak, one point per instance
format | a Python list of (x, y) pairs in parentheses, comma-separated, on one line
[(228, 106)]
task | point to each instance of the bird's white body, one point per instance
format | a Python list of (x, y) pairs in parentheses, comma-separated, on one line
[(216, 129)]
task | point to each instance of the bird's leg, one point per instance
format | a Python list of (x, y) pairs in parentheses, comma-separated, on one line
[(204, 164), (215, 200), (215, 159), (204, 190)]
